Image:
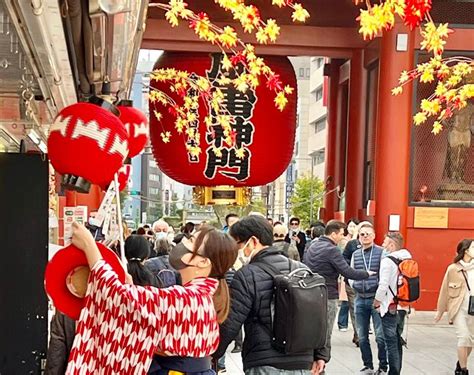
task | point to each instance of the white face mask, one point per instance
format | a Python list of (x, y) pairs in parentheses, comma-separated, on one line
[(160, 235), (246, 259)]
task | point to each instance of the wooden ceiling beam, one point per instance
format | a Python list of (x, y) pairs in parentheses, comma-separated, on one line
[(335, 42)]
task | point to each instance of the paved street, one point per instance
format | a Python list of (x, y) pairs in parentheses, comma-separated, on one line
[(431, 350)]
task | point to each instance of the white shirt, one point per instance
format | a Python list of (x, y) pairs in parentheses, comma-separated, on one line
[(388, 279)]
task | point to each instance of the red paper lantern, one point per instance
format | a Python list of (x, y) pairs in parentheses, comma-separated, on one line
[(136, 124), (87, 144), (266, 134), (124, 176)]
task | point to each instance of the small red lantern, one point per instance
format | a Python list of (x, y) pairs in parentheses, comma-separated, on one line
[(136, 124), (124, 176), (87, 144), (264, 133)]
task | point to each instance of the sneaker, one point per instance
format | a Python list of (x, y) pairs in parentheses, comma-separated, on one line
[(221, 370), (343, 329), (367, 371), (381, 372)]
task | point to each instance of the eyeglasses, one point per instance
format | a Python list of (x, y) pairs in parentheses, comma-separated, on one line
[(293, 224), (366, 234)]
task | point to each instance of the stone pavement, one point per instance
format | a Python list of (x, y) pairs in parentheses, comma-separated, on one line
[(431, 350)]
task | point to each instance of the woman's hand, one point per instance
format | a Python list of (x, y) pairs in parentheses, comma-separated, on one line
[(81, 236), (438, 316), (82, 239)]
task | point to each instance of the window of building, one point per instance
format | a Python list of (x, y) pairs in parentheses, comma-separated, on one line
[(154, 191), (154, 177), (319, 93), (296, 148), (320, 125), (301, 73), (318, 157), (152, 163), (308, 71), (319, 62)]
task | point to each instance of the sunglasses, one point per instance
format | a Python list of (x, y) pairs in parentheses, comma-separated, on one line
[(292, 224), (365, 234)]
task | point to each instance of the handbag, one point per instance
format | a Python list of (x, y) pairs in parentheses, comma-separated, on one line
[(470, 309)]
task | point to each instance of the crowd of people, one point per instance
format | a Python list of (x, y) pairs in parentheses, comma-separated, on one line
[(190, 295)]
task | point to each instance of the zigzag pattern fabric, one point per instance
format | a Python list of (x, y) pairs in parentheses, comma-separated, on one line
[(121, 326)]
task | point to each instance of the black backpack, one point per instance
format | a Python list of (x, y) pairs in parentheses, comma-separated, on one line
[(299, 308)]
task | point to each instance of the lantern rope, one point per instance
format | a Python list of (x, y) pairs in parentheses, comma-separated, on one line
[(119, 220)]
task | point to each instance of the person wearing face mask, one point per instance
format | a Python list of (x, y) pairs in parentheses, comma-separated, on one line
[(145, 320), (296, 236), (392, 317), (252, 290), (454, 296), (161, 229), (368, 258)]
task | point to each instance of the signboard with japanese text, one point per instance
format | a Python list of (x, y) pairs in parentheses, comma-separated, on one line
[(263, 135)]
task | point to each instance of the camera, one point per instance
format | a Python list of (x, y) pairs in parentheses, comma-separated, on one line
[(294, 234)]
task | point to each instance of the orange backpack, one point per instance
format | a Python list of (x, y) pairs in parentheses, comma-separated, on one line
[(408, 286)]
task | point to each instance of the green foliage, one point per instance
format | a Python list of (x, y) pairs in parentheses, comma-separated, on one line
[(301, 200), (257, 205)]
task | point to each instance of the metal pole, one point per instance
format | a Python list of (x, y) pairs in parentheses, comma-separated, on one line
[(311, 197)]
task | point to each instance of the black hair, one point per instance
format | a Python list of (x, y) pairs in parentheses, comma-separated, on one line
[(228, 216), (141, 231), (354, 220), (334, 226), (179, 237), (146, 226), (317, 231), (317, 223), (461, 249), (255, 226), (188, 228), (297, 219), (137, 249), (277, 222)]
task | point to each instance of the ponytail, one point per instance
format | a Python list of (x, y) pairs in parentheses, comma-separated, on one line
[(141, 275), (221, 250), (221, 301)]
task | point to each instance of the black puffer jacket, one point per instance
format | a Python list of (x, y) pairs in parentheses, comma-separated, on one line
[(324, 258), (251, 293)]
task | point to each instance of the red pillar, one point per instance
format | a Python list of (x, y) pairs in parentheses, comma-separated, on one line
[(356, 138), (394, 122), (331, 146)]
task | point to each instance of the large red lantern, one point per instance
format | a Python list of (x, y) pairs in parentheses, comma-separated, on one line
[(87, 144), (265, 133), (123, 176), (136, 124)]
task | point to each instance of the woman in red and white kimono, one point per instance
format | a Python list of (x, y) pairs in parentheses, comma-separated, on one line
[(123, 325)]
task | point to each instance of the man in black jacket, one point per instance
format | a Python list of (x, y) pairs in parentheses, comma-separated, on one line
[(296, 236), (251, 294), (325, 258)]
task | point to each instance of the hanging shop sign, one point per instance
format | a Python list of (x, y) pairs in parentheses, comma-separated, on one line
[(87, 144), (263, 135)]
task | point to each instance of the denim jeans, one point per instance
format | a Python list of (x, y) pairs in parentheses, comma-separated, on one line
[(332, 312), (364, 310), (269, 370), (343, 316), (390, 333), (351, 298), (401, 314)]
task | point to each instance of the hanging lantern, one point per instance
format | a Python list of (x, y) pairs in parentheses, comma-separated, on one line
[(136, 124), (264, 135), (87, 144), (124, 176)]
